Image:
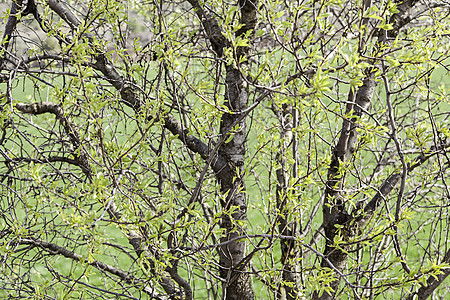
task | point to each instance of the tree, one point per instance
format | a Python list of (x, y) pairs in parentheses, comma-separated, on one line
[(181, 150)]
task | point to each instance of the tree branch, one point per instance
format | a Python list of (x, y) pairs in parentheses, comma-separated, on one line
[(334, 208), (212, 28), (433, 282), (390, 183), (10, 26), (129, 96), (38, 108), (58, 250), (401, 18)]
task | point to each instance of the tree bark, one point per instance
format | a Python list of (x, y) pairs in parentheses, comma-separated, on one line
[(336, 220), (334, 208), (426, 290), (237, 283), (286, 227)]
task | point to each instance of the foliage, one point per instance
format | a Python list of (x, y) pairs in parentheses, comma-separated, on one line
[(213, 149)]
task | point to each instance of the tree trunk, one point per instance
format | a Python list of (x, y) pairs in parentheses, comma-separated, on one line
[(286, 227), (232, 267), (336, 219)]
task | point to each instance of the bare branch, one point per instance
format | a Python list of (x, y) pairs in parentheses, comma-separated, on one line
[(58, 250), (433, 282), (49, 107)]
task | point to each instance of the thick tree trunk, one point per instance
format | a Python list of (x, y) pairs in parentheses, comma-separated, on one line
[(237, 284), (233, 268)]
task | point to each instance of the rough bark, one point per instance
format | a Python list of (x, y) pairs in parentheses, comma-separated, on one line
[(336, 219), (286, 227), (237, 283)]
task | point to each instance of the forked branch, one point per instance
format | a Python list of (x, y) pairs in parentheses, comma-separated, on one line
[(38, 108)]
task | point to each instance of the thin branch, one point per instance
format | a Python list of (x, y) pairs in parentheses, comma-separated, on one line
[(389, 184), (433, 282), (58, 250), (117, 295), (397, 247), (49, 107)]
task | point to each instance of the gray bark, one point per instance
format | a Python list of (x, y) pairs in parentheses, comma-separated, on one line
[(237, 283), (334, 209), (286, 227), (426, 290)]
